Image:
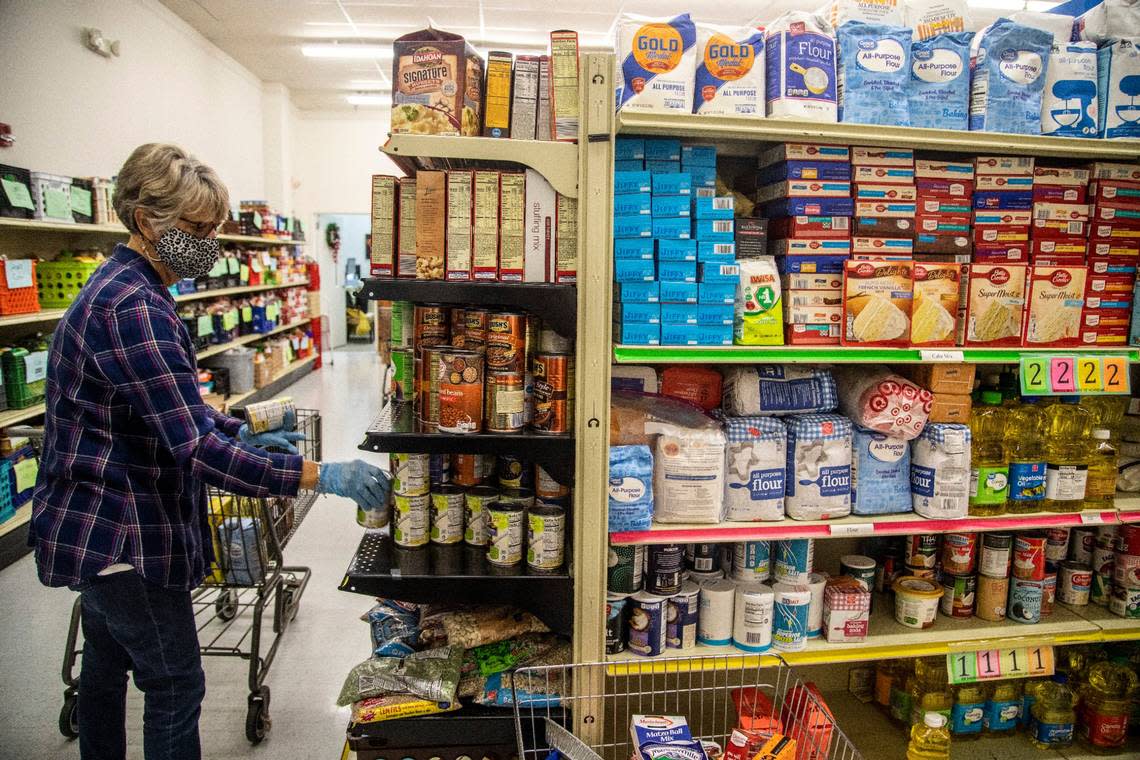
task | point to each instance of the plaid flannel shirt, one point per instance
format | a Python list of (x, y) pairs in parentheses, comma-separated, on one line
[(129, 444)]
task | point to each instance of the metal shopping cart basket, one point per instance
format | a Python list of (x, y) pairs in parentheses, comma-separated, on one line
[(248, 578), (584, 710)]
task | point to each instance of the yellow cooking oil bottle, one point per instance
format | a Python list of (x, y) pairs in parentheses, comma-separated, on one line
[(902, 680), (930, 689), (1106, 702), (1106, 411), (1003, 708), (989, 470), (1025, 451), (1068, 427), (1052, 717), (1100, 488), (929, 738), (968, 710), (1029, 689)]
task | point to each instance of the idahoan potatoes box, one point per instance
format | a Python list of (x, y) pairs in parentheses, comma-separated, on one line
[(1053, 309), (934, 316), (877, 299), (995, 305)]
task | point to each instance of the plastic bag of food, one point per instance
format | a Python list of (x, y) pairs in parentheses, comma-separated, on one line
[(630, 488), (880, 473), (876, 398), (1007, 78), (730, 71), (940, 471), (839, 12), (431, 675), (818, 484), (1058, 25), (635, 418), (475, 626), (657, 60), (874, 73), (522, 651), (940, 82), (395, 627), (929, 18), (688, 473), (755, 467), (396, 706), (1108, 20), (1070, 106), (778, 389), (800, 50)]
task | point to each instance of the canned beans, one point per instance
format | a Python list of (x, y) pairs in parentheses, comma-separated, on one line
[(506, 341), (553, 393), (460, 391)]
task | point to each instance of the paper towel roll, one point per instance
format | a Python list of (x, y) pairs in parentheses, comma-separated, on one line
[(717, 601)]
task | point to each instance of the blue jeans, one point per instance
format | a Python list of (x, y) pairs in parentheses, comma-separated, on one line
[(132, 624)]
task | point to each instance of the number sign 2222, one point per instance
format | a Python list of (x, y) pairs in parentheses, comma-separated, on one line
[(992, 664)]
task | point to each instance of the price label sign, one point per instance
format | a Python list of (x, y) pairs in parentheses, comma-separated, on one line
[(993, 664), (1035, 376), (1062, 375), (1089, 374), (1115, 374), (853, 529)]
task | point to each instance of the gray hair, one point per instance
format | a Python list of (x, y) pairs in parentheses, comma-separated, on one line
[(166, 182)]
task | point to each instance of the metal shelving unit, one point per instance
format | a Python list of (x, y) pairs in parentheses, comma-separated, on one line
[(118, 230), (240, 290)]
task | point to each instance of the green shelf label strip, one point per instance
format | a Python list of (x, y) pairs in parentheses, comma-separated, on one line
[(837, 355)]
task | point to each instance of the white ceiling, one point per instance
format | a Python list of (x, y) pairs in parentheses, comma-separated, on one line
[(266, 36)]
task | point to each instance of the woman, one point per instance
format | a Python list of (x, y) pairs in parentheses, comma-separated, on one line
[(119, 510)]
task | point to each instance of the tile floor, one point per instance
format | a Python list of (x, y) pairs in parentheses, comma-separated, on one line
[(325, 640)]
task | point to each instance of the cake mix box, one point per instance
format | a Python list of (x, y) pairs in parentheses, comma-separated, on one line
[(1053, 307), (935, 309), (877, 303), (809, 227), (927, 168), (995, 304)]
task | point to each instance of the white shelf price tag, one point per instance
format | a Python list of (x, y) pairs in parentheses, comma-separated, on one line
[(941, 356), (852, 529), (992, 664), (1093, 518)]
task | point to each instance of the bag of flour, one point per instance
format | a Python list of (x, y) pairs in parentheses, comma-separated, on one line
[(730, 71), (1008, 69), (1108, 20), (631, 488), (839, 12), (759, 315), (878, 399), (1119, 88), (1061, 27), (874, 69), (940, 82), (801, 67), (880, 473), (778, 389), (929, 18), (688, 474), (940, 471), (755, 467), (818, 485), (656, 63), (1069, 105)]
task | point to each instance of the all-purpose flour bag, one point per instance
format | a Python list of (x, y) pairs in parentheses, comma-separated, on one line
[(1058, 25), (940, 471), (631, 488), (1109, 20), (1008, 70), (940, 82), (688, 474), (778, 389), (839, 12), (730, 71), (755, 468), (880, 473), (1119, 89), (801, 67), (929, 18), (1069, 105), (657, 60), (818, 483), (874, 69)]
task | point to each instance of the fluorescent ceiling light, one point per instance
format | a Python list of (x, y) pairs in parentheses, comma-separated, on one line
[(369, 100), (334, 50)]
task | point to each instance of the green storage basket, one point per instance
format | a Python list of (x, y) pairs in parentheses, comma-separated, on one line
[(20, 393), (61, 280)]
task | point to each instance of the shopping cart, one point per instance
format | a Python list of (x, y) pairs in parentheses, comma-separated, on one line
[(584, 710), (248, 578)]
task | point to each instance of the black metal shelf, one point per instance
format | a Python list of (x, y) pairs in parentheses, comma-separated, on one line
[(457, 573), (474, 727), (556, 304), (395, 430)]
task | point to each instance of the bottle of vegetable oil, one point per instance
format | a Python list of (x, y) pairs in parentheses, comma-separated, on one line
[(929, 739), (901, 683), (1025, 450), (1067, 430), (1029, 698), (1003, 708), (968, 710), (930, 690), (989, 470), (1106, 702), (1053, 717), (1100, 489)]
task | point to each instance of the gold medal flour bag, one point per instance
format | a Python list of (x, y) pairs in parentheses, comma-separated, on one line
[(657, 61)]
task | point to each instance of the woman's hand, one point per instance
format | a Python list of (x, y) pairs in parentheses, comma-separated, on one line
[(365, 484), (276, 439)]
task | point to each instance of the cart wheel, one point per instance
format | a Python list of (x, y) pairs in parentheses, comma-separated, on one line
[(69, 716), (257, 720), (226, 605), (289, 601)]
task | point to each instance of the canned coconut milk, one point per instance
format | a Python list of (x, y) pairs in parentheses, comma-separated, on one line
[(411, 520), (1025, 597), (447, 505), (546, 537), (505, 535)]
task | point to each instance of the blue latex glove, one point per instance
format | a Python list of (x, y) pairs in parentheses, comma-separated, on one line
[(365, 484), (282, 438)]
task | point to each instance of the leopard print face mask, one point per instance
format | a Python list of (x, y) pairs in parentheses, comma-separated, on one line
[(187, 256)]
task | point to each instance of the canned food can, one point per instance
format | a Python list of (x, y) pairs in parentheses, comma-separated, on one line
[(403, 374), (704, 576), (701, 557), (681, 617), (432, 325), (269, 415), (647, 623), (1109, 535), (1025, 597), (447, 505), (625, 569), (959, 553), (860, 568), (888, 571), (372, 518), (553, 393), (922, 550), (460, 391), (1126, 570), (617, 622), (546, 487), (1048, 589), (505, 534), (996, 555), (1101, 590), (410, 473), (470, 469), (506, 341), (1081, 543), (959, 593), (458, 327), (411, 520), (1103, 560), (1056, 544), (1029, 556), (793, 560), (513, 472), (523, 497), (1125, 601), (926, 573), (665, 563), (475, 329), (1128, 538), (402, 325), (439, 469), (751, 561), (546, 537), (992, 597), (563, 503), (475, 503), (1074, 584), (504, 403), (429, 389), (551, 342)]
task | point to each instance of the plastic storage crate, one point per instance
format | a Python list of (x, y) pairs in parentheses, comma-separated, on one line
[(19, 300), (16, 364), (83, 201), (61, 280), (17, 496), (52, 196), (16, 192), (7, 484)]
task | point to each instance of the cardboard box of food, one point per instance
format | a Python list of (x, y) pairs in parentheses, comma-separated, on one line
[(831, 282), (1003, 165), (437, 85), (810, 264), (1003, 218), (948, 407), (814, 335), (1001, 233), (877, 299), (947, 379), (1123, 248), (807, 315), (934, 313), (1110, 190), (565, 263), (785, 170), (883, 175), (863, 156), (797, 246), (995, 304), (539, 222), (1061, 212), (865, 191), (925, 242), (1053, 306), (1110, 265), (809, 227), (1115, 171), (1061, 176), (927, 168), (998, 252), (460, 223), (512, 231), (809, 207), (1003, 200), (803, 188), (431, 224), (1059, 228), (1067, 247), (885, 209), (893, 227), (1059, 194), (943, 224), (1111, 231), (882, 245), (802, 152), (947, 189), (1003, 182), (385, 193)]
